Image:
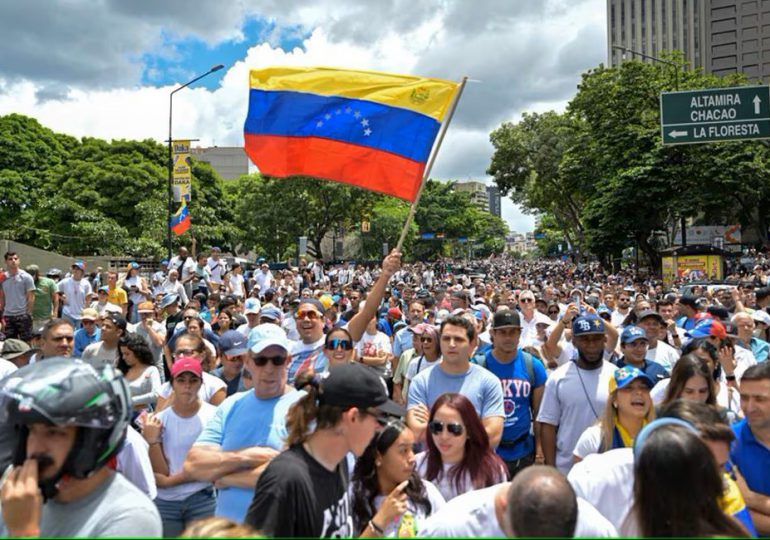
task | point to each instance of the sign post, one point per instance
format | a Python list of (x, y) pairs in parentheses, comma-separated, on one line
[(715, 115)]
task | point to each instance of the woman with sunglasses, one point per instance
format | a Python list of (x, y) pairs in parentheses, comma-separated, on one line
[(431, 353), (459, 458), (304, 490), (387, 491), (213, 390)]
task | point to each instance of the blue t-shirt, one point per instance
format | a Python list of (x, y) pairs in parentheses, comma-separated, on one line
[(243, 420), (517, 389), (686, 323), (479, 385), (752, 458), (83, 340), (402, 341)]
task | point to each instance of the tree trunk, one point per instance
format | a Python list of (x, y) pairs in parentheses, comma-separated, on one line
[(653, 256)]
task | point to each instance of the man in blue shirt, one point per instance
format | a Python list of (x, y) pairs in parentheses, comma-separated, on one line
[(522, 377), (750, 453), (89, 333), (633, 345), (688, 308)]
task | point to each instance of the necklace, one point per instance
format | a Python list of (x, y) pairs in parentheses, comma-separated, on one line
[(585, 392)]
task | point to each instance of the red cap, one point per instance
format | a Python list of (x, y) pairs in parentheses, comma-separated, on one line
[(186, 363), (394, 313)]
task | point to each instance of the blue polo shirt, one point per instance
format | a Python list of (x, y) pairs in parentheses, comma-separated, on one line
[(653, 370), (752, 458)]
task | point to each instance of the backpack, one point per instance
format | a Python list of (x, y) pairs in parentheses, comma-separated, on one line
[(481, 360)]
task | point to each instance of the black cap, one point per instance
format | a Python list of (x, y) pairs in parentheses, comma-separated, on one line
[(650, 313), (315, 303), (506, 319), (689, 300), (763, 292), (357, 385)]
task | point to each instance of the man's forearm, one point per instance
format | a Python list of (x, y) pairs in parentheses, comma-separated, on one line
[(212, 464), (242, 479), (548, 441)]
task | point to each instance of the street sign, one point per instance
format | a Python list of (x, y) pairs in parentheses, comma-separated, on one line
[(715, 115)]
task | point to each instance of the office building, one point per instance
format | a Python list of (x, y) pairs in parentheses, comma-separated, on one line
[(477, 192), (720, 36), (495, 202), (230, 162)]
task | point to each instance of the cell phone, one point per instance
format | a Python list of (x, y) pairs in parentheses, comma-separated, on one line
[(576, 299)]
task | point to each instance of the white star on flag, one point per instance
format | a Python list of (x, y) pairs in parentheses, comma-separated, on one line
[(319, 124), (367, 132), (357, 114), (328, 116), (364, 122)]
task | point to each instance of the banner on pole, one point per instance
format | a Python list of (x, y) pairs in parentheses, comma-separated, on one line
[(182, 179)]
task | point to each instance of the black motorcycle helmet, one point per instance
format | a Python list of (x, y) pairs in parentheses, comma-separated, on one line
[(68, 392)]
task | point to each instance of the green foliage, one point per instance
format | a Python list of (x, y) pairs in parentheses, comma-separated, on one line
[(601, 176)]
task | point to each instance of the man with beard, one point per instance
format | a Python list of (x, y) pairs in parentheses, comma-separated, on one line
[(62, 485), (575, 393)]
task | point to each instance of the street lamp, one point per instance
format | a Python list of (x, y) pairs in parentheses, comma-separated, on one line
[(171, 151), (676, 67)]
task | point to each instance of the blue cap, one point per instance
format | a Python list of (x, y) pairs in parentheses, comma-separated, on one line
[(264, 335), (79, 264), (632, 333), (271, 312), (626, 375), (233, 342), (584, 325), (133, 264), (164, 261)]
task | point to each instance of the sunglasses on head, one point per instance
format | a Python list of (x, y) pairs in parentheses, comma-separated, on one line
[(454, 428), (277, 360), (336, 343), (308, 314)]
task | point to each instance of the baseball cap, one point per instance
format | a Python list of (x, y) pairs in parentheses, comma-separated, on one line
[(394, 313), (169, 299), (689, 300), (417, 329), (271, 312), (233, 342), (146, 307), (117, 319), (251, 307), (315, 303), (626, 375), (104, 288), (89, 314), (13, 348), (262, 338), (79, 264), (133, 264), (357, 385), (584, 325), (506, 319), (164, 261), (186, 364), (32, 268), (761, 316), (651, 313), (327, 301), (708, 327), (632, 333)]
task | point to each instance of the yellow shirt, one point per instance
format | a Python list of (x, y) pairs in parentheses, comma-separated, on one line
[(117, 296)]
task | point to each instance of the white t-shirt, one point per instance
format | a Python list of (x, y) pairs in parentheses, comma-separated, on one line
[(607, 482), (617, 318), (664, 354), (217, 270), (528, 330), (574, 399), (185, 269), (178, 435), (423, 363), (6, 367), (75, 293), (444, 482), (744, 359), (589, 442), (371, 345), (134, 463), (211, 385), (417, 513), (472, 515), (237, 284)]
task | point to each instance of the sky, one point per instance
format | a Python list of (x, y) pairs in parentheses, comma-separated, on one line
[(105, 68)]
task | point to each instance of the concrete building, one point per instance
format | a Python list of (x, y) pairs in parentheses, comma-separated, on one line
[(720, 36), (495, 202), (230, 162), (477, 191)]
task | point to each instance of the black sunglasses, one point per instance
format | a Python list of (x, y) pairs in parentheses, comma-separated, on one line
[(454, 428), (277, 360), (336, 343)]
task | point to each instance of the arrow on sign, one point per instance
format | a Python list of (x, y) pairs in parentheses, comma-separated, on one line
[(756, 102), (674, 134)]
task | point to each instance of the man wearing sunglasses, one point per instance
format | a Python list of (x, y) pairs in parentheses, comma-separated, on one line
[(528, 318), (249, 428), (309, 319)]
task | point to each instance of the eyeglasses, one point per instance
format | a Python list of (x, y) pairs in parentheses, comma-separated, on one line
[(525, 300), (307, 314), (553, 312), (336, 343), (62, 338), (454, 428), (426, 340), (378, 416), (188, 317), (262, 361)]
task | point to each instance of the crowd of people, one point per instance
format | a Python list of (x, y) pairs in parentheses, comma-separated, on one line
[(494, 397)]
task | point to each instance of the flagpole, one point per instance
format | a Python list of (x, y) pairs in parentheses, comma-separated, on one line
[(431, 160)]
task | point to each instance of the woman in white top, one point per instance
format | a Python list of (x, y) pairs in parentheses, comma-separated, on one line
[(170, 434), (137, 364), (137, 289), (213, 390), (459, 458), (388, 498), (629, 408)]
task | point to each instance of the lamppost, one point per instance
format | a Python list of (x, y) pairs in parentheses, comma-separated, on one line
[(676, 87), (171, 151)]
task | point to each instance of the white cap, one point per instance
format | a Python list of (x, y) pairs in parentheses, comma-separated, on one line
[(760, 315), (263, 336), (252, 305)]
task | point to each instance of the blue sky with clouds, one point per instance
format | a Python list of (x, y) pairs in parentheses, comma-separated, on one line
[(105, 69)]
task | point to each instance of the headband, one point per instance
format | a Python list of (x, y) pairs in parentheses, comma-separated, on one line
[(641, 438)]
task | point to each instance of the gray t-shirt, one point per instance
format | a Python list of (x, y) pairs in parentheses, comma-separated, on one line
[(115, 508), (16, 288), (97, 354)]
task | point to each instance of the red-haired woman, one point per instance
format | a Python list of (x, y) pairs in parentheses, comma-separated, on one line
[(459, 458)]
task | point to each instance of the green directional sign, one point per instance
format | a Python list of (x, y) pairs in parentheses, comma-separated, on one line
[(715, 115)]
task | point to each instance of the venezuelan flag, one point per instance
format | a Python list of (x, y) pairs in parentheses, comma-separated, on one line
[(369, 129), (180, 221)]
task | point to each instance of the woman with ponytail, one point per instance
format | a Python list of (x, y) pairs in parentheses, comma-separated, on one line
[(303, 492)]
